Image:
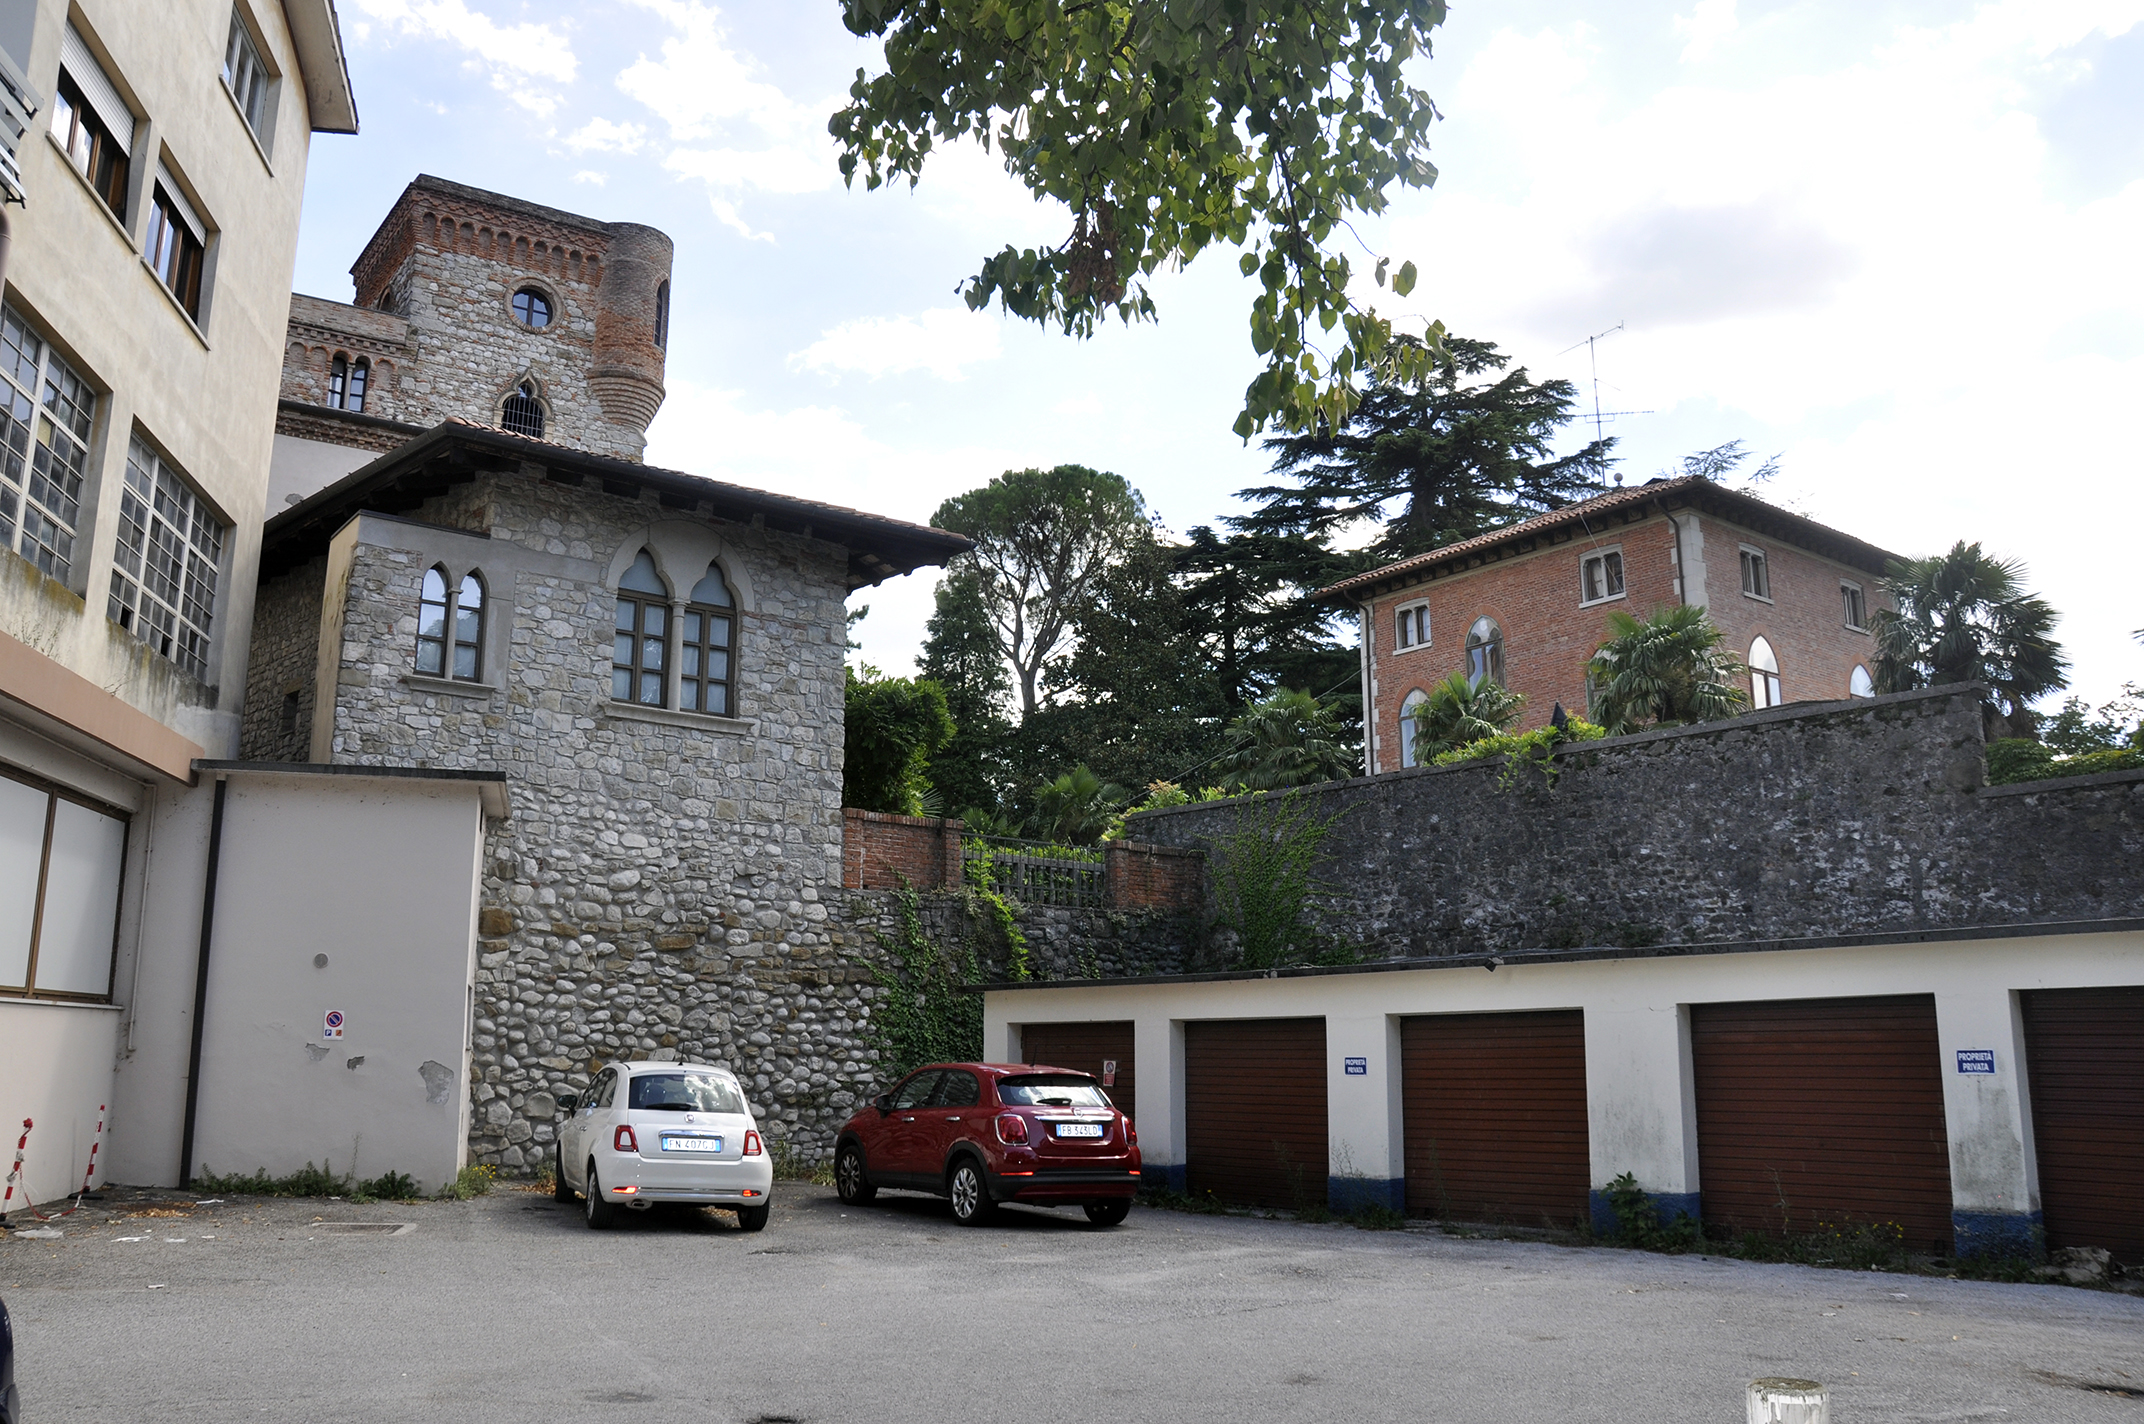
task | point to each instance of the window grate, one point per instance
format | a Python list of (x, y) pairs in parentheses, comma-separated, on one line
[(523, 413), (165, 566), (45, 416)]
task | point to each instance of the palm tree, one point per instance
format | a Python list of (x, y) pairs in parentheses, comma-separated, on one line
[(1289, 738), (1664, 671), (1965, 616), (1077, 807), (1459, 710)]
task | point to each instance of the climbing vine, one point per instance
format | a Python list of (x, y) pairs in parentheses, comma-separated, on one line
[(981, 863), (925, 1016), (1266, 876)]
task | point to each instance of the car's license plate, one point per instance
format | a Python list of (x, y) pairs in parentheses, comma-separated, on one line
[(1079, 1129), (692, 1144)]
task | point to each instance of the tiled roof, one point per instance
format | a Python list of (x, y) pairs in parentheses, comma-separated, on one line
[(1682, 492)]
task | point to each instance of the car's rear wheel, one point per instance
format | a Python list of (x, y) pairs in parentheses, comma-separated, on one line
[(970, 1193), (849, 1179), (753, 1218), (1109, 1213), (601, 1214), (561, 1189)]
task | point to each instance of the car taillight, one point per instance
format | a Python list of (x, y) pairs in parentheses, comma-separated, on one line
[(1012, 1127), (623, 1141), (1131, 1134), (751, 1145)]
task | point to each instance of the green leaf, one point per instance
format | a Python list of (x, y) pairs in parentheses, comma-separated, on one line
[(1403, 280)]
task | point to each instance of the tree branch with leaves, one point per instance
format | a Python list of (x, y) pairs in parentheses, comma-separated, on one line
[(1167, 126)]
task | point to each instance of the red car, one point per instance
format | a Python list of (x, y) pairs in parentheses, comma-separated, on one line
[(983, 1133)]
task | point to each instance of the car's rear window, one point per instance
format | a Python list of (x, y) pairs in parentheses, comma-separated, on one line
[(685, 1092), (1039, 1090)]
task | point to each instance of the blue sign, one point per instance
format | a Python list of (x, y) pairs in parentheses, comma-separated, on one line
[(1976, 1060), (1360, 1067)]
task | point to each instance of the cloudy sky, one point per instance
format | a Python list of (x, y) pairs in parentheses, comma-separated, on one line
[(1897, 243)]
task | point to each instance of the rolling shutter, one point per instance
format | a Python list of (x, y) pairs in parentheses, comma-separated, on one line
[(1495, 1113), (1086, 1047), (1254, 1111), (1822, 1110), (97, 88), (2084, 1055)]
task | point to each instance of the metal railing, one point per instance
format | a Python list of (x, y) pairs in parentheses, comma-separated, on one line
[(1035, 872)]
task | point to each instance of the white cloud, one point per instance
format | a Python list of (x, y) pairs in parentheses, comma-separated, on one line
[(1711, 22), (589, 175), (607, 136), (517, 56), (941, 341)]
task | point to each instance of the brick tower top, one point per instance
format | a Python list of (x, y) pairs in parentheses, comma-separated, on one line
[(503, 312)]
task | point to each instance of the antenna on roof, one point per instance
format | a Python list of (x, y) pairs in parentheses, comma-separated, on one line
[(1600, 417)]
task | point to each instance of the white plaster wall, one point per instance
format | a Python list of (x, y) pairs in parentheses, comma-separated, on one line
[(304, 467), (1641, 1115), (55, 1069), (379, 875)]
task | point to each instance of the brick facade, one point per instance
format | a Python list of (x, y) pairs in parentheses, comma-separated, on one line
[(1528, 580), (434, 320), (1154, 877), (887, 852)]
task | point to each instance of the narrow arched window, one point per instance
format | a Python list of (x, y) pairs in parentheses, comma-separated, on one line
[(523, 414), (1410, 735), (639, 652), (338, 380), (706, 641), (1485, 652), (1860, 684), (469, 628), (1763, 676), (432, 624), (662, 314), (360, 374)]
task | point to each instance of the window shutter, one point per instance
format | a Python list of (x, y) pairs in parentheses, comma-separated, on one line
[(179, 204), (97, 87)]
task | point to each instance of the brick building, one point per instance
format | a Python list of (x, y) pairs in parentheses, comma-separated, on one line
[(480, 307), (1528, 605)]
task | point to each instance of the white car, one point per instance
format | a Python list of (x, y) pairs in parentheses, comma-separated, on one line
[(646, 1133)]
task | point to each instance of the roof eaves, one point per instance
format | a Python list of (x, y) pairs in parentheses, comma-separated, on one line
[(330, 102)]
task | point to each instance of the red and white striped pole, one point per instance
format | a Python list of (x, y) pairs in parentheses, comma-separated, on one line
[(15, 1173), (94, 1143)]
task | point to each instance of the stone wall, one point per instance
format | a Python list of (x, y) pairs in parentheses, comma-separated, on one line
[(283, 666), (1062, 943), (666, 883), (1838, 819)]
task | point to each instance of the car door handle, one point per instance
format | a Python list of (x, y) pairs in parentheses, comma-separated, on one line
[(953, 1119), (908, 1119)]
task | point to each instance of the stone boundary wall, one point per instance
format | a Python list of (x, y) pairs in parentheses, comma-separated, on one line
[(1836, 819)]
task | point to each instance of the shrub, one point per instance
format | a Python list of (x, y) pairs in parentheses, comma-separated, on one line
[(2013, 759)]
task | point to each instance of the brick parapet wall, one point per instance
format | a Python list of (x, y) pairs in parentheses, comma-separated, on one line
[(1142, 876), (880, 851), (1811, 822)]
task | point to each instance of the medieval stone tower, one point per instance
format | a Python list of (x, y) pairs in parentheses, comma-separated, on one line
[(477, 306)]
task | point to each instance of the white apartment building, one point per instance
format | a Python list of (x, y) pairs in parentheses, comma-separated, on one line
[(159, 152)]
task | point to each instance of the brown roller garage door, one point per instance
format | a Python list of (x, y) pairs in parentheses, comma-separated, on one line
[(1834, 1105), (2084, 1055), (1086, 1046), (1495, 1112), (1254, 1111)]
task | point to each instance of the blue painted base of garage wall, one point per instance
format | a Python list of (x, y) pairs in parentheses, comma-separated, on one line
[(1669, 1204), (1173, 1177), (1999, 1233), (1346, 1194)]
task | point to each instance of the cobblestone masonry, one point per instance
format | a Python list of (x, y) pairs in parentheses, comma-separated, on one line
[(1837, 819), (284, 666)]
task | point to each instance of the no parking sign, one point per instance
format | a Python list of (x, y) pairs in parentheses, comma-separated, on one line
[(331, 1024)]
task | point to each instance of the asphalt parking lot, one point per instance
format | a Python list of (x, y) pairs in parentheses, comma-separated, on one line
[(508, 1308)]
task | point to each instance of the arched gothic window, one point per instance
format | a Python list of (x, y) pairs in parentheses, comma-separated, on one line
[(523, 414), (1485, 652), (641, 645), (707, 638), (662, 314), (1763, 676), (450, 630), (360, 376), (1860, 684), (1410, 735)]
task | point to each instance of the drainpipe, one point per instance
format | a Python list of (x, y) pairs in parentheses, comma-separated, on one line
[(208, 928)]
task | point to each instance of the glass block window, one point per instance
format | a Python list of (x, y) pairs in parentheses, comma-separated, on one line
[(164, 569), (44, 447), (706, 637), (640, 645)]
